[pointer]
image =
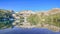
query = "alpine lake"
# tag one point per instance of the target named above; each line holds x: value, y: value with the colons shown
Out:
x: 6, y: 27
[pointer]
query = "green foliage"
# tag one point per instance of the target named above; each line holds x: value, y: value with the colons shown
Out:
x: 53, y: 19
x: 34, y: 19
x: 5, y: 14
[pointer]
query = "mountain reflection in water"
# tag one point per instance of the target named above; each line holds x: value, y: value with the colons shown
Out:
x: 16, y: 30
x: 6, y: 24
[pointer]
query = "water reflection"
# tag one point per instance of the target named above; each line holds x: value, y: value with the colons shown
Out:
x: 20, y: 23
x: 9, y: 23
x: 6, y: 24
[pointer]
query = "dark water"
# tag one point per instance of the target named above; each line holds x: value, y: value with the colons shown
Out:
x: 23, y: 30
x: 6, y: 24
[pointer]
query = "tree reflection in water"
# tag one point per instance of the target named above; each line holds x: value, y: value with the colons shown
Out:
x: 6, y: 24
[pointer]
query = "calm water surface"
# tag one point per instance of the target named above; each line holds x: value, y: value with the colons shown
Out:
x: 27, y: 31
x: 16, y: 30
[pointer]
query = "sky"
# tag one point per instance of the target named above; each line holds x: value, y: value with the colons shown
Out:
x: 18, y: 5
